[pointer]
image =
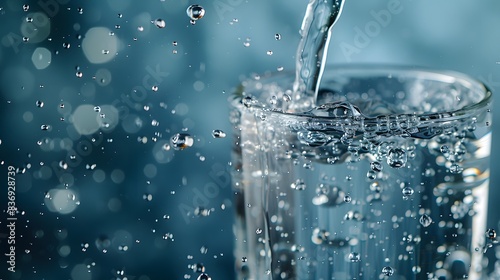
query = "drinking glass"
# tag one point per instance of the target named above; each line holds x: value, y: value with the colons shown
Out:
x: 386, y: 177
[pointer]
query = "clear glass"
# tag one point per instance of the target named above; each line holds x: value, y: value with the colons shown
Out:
x: 386, y: 179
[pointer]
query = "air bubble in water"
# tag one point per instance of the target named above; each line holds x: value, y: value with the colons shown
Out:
x: 247, y: 101
x: 258, y: 231
x: 180, y: 141
x: 39, y: 103
x: 277, y: 36
x: 160, y: 23
x: 397, y: 158
x: 354, y: 257
x: 376, y: 166
x: 347, y: 199
x: 195, y: 12
x: 455, y: 168
x: 79, y: 74
x: 387, y: 271
x: 45, y: 127
x: 26, y: 7
x: 298, y: 185
x: 425, y: 220
x: 407, y: 191
x: 319, y: 236
x: 154, y: 88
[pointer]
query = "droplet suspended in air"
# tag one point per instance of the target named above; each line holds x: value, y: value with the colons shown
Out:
x: 387, y: 271
x: 180, y: 141
x: 217, y: 133
x: 199, y: 267
x: 425, y: 220
x: 491, y: 234
x: 160, y: 23
x: 195, y: 12
x: 204, y: 276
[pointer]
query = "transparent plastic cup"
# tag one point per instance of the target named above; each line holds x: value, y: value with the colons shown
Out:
x: 387, y: 178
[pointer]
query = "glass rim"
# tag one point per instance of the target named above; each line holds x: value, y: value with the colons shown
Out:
x: 370, y: 70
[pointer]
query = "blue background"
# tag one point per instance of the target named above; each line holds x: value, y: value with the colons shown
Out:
x: 125, y: 205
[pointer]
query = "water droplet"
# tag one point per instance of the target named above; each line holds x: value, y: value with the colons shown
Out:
x: 397, y: 158
x: 195, y: 12
x: 425, y: 220
x: 244, y: 259
x: 217, y: 133
x: 407, y: 191
x: 180, y: 141
x: 269, y: 52
x: 387, y: 271
x: 491, y: 234
x: 26, y: 7
x: 160, y: 23
x: 354, y: 257
x: 39, y: 103
x: 66, y: 45
x: 258, y: 231
x: 347, y: 199
x: 277, y: 36
x: 45, y: 127
x: 320, y: 236
x: 298, y: 185
x: 140, y: 28
x: 147, y: 196
x: 154, y: 88
x: 204, y: 276
x: 80, y: 10
x: 97, y: 109
x: 79, y: 74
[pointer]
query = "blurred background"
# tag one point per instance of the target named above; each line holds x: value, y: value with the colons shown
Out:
x: 92, y: 91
